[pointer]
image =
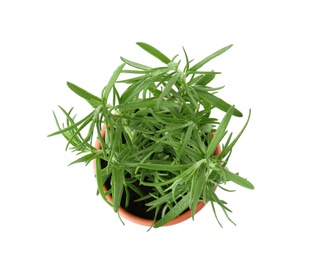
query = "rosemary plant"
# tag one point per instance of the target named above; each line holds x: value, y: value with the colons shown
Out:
x: 159, y: 137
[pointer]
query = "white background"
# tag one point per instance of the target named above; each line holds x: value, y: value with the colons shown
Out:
x: 279, y: 67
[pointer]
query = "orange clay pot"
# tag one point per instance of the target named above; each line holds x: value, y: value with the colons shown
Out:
x: 147, y: 222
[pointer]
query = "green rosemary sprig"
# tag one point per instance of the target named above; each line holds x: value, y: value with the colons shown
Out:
x: 159, y: 134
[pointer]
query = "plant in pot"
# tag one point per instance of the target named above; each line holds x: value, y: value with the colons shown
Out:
x: 157, y: 158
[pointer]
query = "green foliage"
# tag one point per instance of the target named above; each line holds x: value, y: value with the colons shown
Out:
x: 158, y: 134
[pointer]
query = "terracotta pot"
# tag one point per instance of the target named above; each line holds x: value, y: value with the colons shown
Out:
x: 147, y: 222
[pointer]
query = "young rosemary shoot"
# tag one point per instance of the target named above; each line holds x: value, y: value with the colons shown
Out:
x: 157, y: 138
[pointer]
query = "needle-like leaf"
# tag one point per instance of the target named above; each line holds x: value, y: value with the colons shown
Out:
x: 231, y: 145
x: 168, y: 87
x: 100, y: 181
x: 217, y: 102
x: 117, y: 185
x: 206, y: 79
x: 135, y: 64
x: 198, y: 184
x: 174, y: 212
x: 90, y: 98
x: 220, y: 133
x: 210, y: 57
x: 239, y: 180
x: 111, y: 83
x: 154, y: 52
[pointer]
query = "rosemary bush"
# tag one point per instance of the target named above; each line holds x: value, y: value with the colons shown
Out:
x: 159, y: 137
